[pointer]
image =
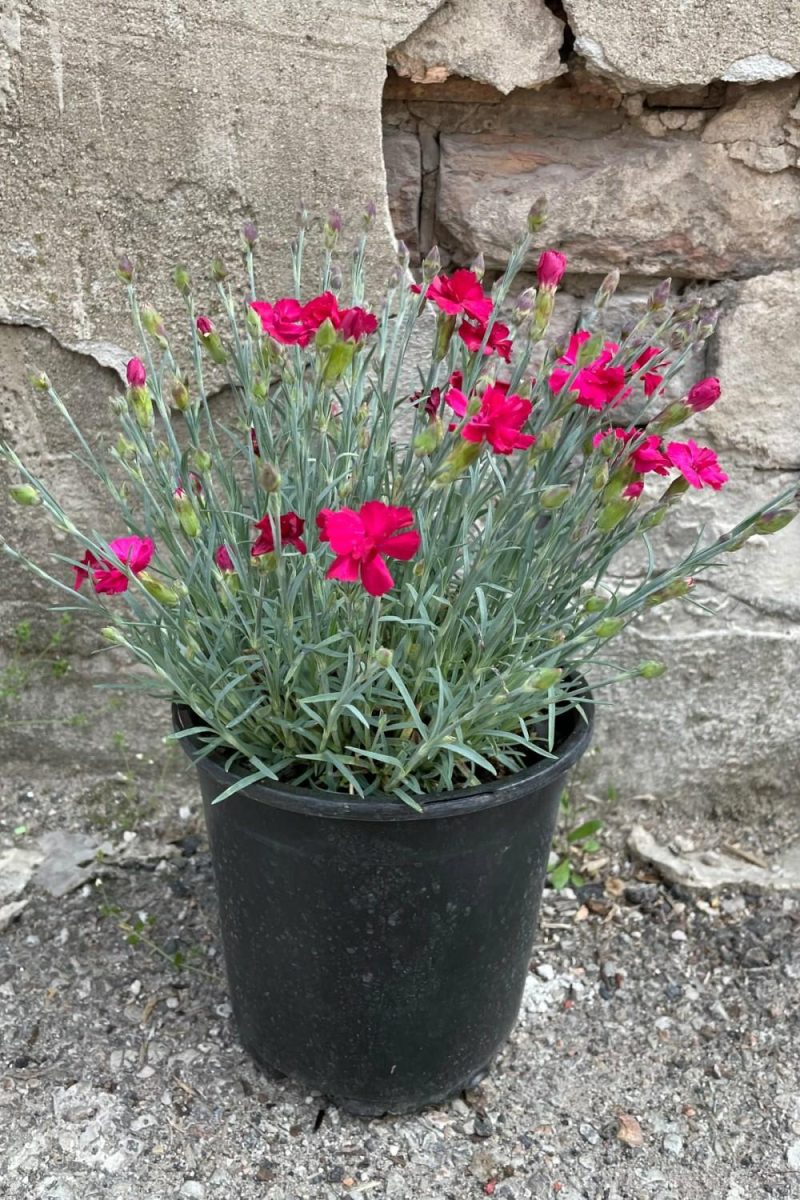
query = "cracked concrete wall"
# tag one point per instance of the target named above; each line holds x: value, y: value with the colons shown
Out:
x: 665, y: 136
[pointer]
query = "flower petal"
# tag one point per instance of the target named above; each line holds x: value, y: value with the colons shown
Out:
x: 375, y: 575
x: 402, y: 545
x: 343, y: 568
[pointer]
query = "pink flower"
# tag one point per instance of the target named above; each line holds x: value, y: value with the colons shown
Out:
x: 254, y: 442
x: 597, y: 384
x: 498, y: 343
x: 136, y: 373
x: 649, y: 457
x: 291, y: 527
x: 222, y: 557
x: 697, y: 464
x: 321, y: 308
x: 498, y: 421
x: 357, y: 323
x: 633, y: 490
x: 284, y: 322
x: 460, y: 293
x: 204, y: 326
x: 133, y: 552
x: 703, y: 394
x: 651, y: 379
x: 551, y: 268
x: 361, y: 539
x: 431, y: 403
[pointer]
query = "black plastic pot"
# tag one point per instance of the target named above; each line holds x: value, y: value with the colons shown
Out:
x: 375, y: 954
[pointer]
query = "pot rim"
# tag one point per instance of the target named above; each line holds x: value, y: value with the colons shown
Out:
x: 382, y: 807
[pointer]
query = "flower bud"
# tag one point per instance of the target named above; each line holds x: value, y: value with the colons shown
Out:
x: 595, y: 603
x: 430, y: 439
x: 659, y: 295
x: 369, y: 214
x: 142, y: 405
x: 607, y: 289
x: 339, y: 359
x: 269, y: 477
x: 159, y: 590
x: 325, y: 337
x: 202, y: 460
x: 445, y: 327
x: 609, y: 627
x: 651, y: 669
x: 24, y: 494
x: 403, y: 252
x: 331, y: 229
x: 125, y: 449
x: 180, y: 394
x: 113, y: 636
x: 478, y: 267
x: 182, y: 280
x: 550, y: 269
x: 543, y: 679
x: 125, y: 269
x: 187, y: 517
x: 771, y: 522
x: 383, y: 657
x: 431, y: 264
x: 40, y: 382
x: 548, y: 438
x: 335, y: 280
x: 210, y: 340
x: 600, y: 476
x: 703, y: 394
x: 250, y: 233
x: 611, y: 514
x: 303, y: 216
x: 653, y: 518
x: 537, y: 214
x: 674, y: 414
x: 675, y: 490
x: 554, y: 497
x: 218, y: 270
x: 153, y: 323
x: 707, y: 323
x: 673, y: 591
x: 259, y: 390
x: 136, y: 373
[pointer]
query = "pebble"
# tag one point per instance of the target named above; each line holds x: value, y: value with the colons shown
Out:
x: 192, y: 1190
x: 673, y: 1144
x: 546, y: 971
x: 483, y: 1127
x: 678, y: 935
x: 589, y: 1134
x: 793, y: 1156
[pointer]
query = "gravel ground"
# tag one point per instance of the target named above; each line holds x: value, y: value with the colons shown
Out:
x: 651, y: 1016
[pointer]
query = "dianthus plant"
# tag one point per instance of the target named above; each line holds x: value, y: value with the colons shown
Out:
x: 367, y: 585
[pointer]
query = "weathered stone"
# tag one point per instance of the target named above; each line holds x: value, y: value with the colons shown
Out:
x: 756, y: 354
x: 692, y: 870
x: 755, y: 129
x: 238, y: 114
x: 404, y: 182
x: 666, y: 45
x: 513, y: 43
x: 668, y: 206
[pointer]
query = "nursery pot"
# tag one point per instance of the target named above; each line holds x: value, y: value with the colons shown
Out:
x: 376, y: 954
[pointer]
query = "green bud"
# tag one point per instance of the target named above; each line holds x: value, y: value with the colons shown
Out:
x: 182, y: 280
x: 160, y: 591
x: 611, y: 514
x: 607, y: 289
x: 218, y: 270
x: 339, y: 359
x: 673, y: 591
x: 674, y: 414
x: 445, y: 326
x: 180, y: 394
x: 478, y: 267
x: 214, y: 348
x: 113, y: 635
x: 426, y: 442
x: 260, y: 390
x: 24, y: 494
x: 595, y: 603
x: 40, y: 382
x: 676, y: 489
x: 653, y: 518
x: 457, y: 461
x: 554, y: 497
x: 253, y: 323
x: 151, y: 320
x: 651, y: 669
x: 609, y: 627
x: 600, y: 477
x: 431, y: 264
x: 590, y: 350
x: 202, y: 460
x: 125, y: 449
x: 537, y: 214
x: 125, y: 269
x: 543, y: 679
x: 659, y: 295
x: 187, y: 517
x: 383, y: 657
x: 771, y: 522
x: 269, y: 477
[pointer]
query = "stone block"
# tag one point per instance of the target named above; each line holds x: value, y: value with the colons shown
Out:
x: 403, y: 157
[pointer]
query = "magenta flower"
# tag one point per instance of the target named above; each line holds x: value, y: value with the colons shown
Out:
x: 360, y: 540
x: 321, y: 308
x: 356, y: 323
x: 204, y: 326
x: 634, y: 490
x: 498, y: 421
x: 703, y: 394
x: 697, y: 464
x: 498, y: 343
x: 649, y: 457
x: 651, y: 379
x: 291, y: 527
x: 254, y: 442
x: 222, y: 557
x: 135, y: 553
x: 460, y: 294
x: 550, y: 269
x: 136, y: 373
x: 623, y: 435
x: 597, y: 384
x: 283, y: 321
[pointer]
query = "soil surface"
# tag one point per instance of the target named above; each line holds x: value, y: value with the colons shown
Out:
x: 656, y: 1055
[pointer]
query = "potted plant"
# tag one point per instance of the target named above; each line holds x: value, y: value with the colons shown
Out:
x: 375, y: 609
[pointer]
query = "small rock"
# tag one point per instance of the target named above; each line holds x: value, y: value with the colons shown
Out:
x: 629, y: 1130
x: 793, y: 1156
x: 545, y: 971
x: 9, y: 912
x: 678, y: 935
x: 482, y: 1127
x: 673, y: 991
x: 589, y: 1134
x: 192, y: 1190
x: 483, y: 1165
x: 673, y: 1144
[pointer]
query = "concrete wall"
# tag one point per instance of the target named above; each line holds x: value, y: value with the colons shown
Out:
x: 666, y: 138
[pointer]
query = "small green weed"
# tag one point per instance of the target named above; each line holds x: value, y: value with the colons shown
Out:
x: 574, y: 839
